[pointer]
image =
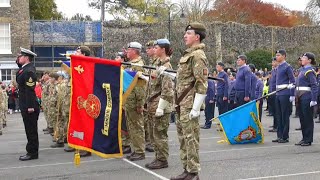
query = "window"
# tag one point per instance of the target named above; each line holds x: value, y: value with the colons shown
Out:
x: 5, y: 38
x: 5, y: 3
x: 6, y: 74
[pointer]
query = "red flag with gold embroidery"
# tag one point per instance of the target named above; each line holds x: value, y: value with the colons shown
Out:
x: 95, y: 112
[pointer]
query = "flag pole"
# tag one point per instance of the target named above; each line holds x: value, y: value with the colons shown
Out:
x: 270, y: 94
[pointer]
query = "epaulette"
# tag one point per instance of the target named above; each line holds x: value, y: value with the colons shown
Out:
x: 311, y: 70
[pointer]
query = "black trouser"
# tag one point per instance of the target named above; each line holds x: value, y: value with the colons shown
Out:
x: 306, y: 120
x: 283, y: 111
x: 260, y: 108
x: 240, y: 98
x: 209, y: 113
x: 221, y: 104
x: 272, y: 108
x: 231, y: 105
x: 30, y: 121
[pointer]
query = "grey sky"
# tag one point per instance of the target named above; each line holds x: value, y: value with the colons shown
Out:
x: 71, y: 7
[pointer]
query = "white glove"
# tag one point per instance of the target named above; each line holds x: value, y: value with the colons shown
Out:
x: 161, y: 70
x: 292, y: 98
x: 291, y: 86
x: 171, y: 75
x: 161, y: 106
x: 313, y: 103
x: 141, y: 76
x: 198, y: 100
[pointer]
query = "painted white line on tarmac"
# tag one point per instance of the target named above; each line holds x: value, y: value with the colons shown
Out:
x: 281, y: 176
x: 55, y: 164
x: 146, y: 170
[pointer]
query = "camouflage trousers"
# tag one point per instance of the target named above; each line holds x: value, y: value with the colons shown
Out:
x: 2, y: 117
x: 135, y: 125
x: 160, y: 127
x: 52, y: 116
x: 59, y: 128
x: 148, y: 118
x: 65, y: 116
x: 45, y: 112
x: 188, y: 135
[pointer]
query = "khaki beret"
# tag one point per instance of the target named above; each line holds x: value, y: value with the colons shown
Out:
x: 150, y: 43
x: 54, y: 75
x: 196, y: 26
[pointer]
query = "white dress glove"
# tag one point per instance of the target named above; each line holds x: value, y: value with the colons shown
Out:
x: 292, y: 98
x: 313, y: 103
x: 161, y: 70
x: 171, y: 75
x: 291, y: 86
x: 198, y: 100
x: 161, y: 106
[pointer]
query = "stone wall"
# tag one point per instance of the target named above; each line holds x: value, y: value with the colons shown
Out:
x: 223, y: 43
x: 19, y: 18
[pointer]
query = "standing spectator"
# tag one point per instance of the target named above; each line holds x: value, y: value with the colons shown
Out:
x: 210, y: 104
x: 259, y: 92
x: 16, y: 97
x: 12, y: 95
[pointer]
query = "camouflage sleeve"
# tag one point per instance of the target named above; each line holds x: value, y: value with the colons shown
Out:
x: 200, y: 72
x: 2, y: 101
x: 167, y: 86
x: 140, y: 95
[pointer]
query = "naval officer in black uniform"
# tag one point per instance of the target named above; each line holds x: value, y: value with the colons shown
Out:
x: 26, y: 79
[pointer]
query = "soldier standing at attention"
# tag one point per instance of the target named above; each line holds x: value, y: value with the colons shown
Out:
x: 222, y: 89
x: 134, y: 106
x: 148, y: 117
x: 52, y: 102
x: 191, y: 87
x: 284, y: 98
x: 306, y: 93
x: 162, y: 94
x: 44, y: 96
x: 26, y: 79
x: 242, y: 85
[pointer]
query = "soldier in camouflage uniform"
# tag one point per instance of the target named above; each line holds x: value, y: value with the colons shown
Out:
x: 191, y: 90
x: 134, y: 106
x: 5, y: 110
x: 66, y: 112
x: 160, y: 106
x: 147, y: 115
x: 59, y: 129
x: 44, y: 98
x: 52, y: 102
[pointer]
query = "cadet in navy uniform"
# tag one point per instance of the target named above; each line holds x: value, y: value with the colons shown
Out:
x: 284, y: 98
x: 253, y: 82
x: 231, y: 91
x: 272, y: 98
x: 259, y: 92
x: 26, y: 79
x: 222, y: 89
x: 306, y: 92
x: 242, y: 85
x: 210, y: 104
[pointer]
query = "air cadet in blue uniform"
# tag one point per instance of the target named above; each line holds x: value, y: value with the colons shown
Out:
x: 318, y: 80
x: 222, y: 89
x: 272, y: 87
x: 284, y: 98
x: 242, y: 85
x: 258, y: 92
x: 306, y: 93
x: 253, y: 82
x: 231, y: 91
x: 210, y: 104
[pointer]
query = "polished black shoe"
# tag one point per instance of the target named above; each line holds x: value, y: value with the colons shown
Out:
x: 28, y: 157
x: 205, y: 127
x: 85, y: 153
x: 273, y: 130
x: 283, y: 141
x: 57, y: 145
x: 299, y: 143
x: 270, y: 126
x: 0, y: 133
x: 298, y: 129
x: 276, y: 140
x: 306, y: 144
x: 46, y: 129
x: 269, y: 115
x: 69, y: 149
x: 317, y: 121
x: 4, y: 125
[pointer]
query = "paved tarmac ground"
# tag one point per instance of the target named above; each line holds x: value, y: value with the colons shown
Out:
x: 218, y: 161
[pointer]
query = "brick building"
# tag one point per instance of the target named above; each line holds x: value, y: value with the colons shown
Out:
x: 14, y: 33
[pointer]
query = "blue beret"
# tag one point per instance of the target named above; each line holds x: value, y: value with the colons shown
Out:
x: 162, y: 42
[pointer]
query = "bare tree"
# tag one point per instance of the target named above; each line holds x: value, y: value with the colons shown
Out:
x: 195, y: 9
x: 313, y: 10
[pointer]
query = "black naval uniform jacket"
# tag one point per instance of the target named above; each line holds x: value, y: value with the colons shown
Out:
x: 26, y: 79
